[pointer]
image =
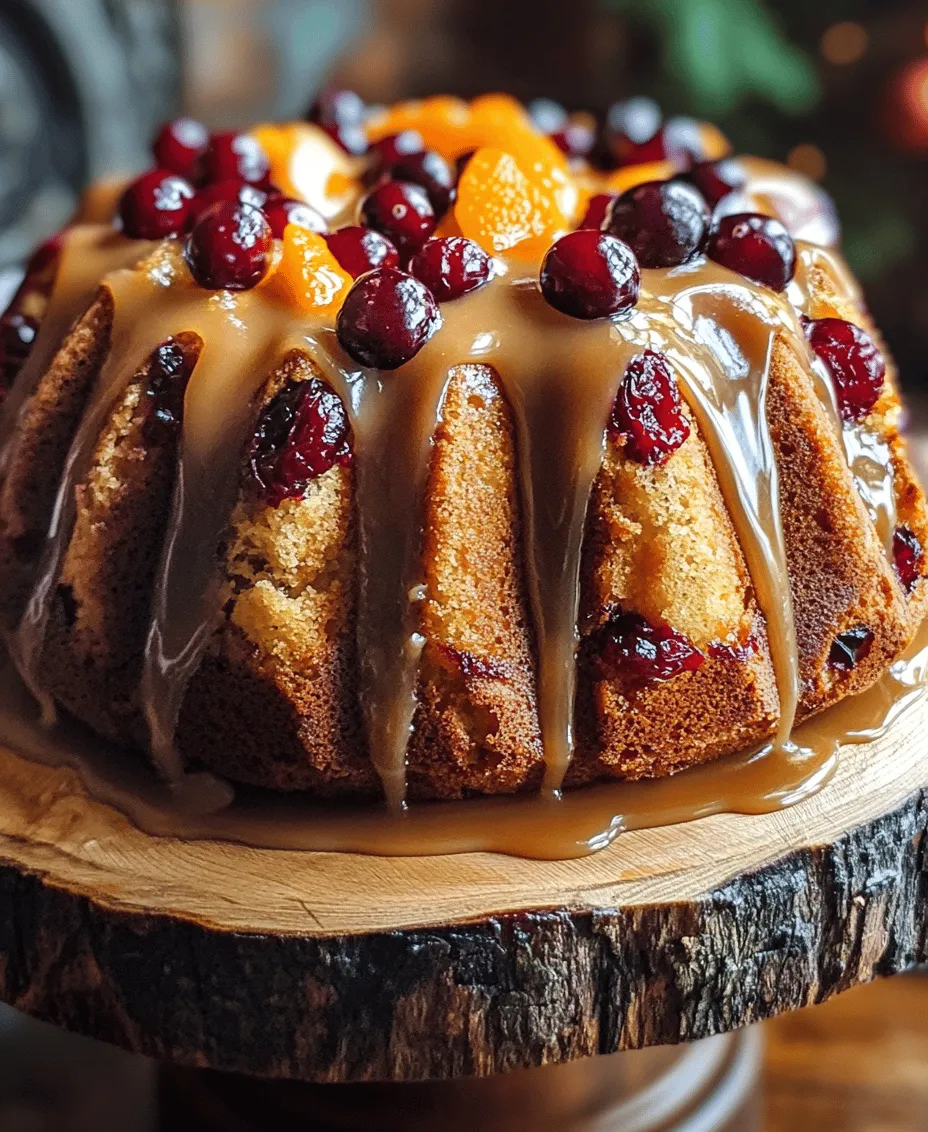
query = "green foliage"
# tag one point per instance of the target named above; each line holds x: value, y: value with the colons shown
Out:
x: 724, y: 51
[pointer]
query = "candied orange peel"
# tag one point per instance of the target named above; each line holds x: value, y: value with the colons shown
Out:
x: 308, y: 275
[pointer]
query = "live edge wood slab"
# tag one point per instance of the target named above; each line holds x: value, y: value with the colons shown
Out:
x: 328, y: 967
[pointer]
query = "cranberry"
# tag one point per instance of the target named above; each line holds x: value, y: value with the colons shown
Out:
x: 908, y: 555
x: 854, y: 361
x: 723, y: 650
x: 333, y: 106
x: 664, y: 222
x: 648, y: 413
x: 430, y: 170
x: 281, y: 211
x: 168, y: 374
x: 850, y: 648
x: 232, y: 189
x: 359, y: 249
x: 350, y: 136
x: 44, y: 259
x: 155, y: 206
x: 386, y: 318
x: 403, y: 212
x: 632, y: 131
x: 633, y: 647
x: 229, y: 246
x: 395, y: 147
x: 716, y: 179
x: 547, y: 115
x: 301, y: 434
x: 589, y: 274
x: 17, y: 334
x: 233, y: 156
x: 756, y: 246
x: 682, y: 141
x: 180, y: 145
x: 596, y: 210
x: 451, y: 266
x: 576, y: 139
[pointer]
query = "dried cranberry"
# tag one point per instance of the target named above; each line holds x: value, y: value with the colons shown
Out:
x: 648, y: 412
x: 850, y: 648
x: 232, y: 189
x: 908, y: 555
x: 632, y: 647
x: 333, y: 106
x: 301, y: 434
x: 281, y: 211
x: 430, y: 170
x: 596, y: 210
x: 756, y: 246
x: 395, y: 147
x: 386, y: 318
x: 228, y: 247
x: 349, y: 136
x: 451, y: 266
x: 360, y: 249
x: 180, y: 145
x: 589, y: 274
x: 168, y: 373
x: 665, y: 223
x: 403, y: 212
x: 854, y: 362
x: 17, y: 334
x: 716, y: 179
x: 155, y: 206
x: 235, y: 156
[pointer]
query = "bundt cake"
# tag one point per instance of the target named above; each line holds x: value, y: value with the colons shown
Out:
x: 451, y: 449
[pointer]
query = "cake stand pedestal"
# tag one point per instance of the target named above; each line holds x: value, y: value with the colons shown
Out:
x: 315, y: 972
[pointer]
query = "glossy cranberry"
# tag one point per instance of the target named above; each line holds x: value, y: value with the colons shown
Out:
x: 589, y: 274
x: 228, y: 248
x: 281, y: 211
x: 168, y: 373
x: 756, y: 246
x: 403, y: 212
x: 17, y: 334
x: 360, y: 249
x: 395, y: 147
x: 386, y: 318
x: 850, y: 648
x: 451, y: 266
x: 333, y: 106
x: 854, y: 362
x: 155, y: 206
x: 301, y: 434
x: 665, y: 223
x: 716, y: 179
x: 430, y: 170
x: 908, y: 556
x: 632, y: 131
x: 576, y: 139
x: 547, y: 115
x: 232, y: 189
x: 648, y: 412
x: 596, y: 210
x: 632, y: 647
x: 180, y: 145
x: 736, y: 652
x: 234, y: 156
x: 349, y: 136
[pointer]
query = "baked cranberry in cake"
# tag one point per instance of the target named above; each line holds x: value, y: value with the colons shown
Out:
x: 854, y: 361
x: 735, y: 652
x: 850, y: 648
x: 168, y: 374
x: 716, y: 179
x: 233, y: 189
x: 386, y: 318
x: 281, y: 211
x: 180, y: 145
x: 451, y: 266
x: 228, y: 247
x: 648, y: 412
x: 394, y: 147
x: 631, y: 647
x: 156, y: 206
x: 403, y: 212
x: 236, y: 156
x: 595, y: 214
x: 432, y: 172
x: 665, y: 223
x: 589, y: 274
x: 908, y: 556
x: 301, y: 434
x: 359, y: 249
x: 756, y: 246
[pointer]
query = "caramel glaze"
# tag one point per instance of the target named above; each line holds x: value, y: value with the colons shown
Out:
x: 560, y: 377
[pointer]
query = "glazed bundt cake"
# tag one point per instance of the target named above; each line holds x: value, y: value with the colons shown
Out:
x: 437, y: 451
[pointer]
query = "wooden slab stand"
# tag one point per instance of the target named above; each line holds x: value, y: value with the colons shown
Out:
x: 336, y: 967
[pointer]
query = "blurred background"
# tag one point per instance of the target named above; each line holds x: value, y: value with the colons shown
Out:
x: 839, y: 88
